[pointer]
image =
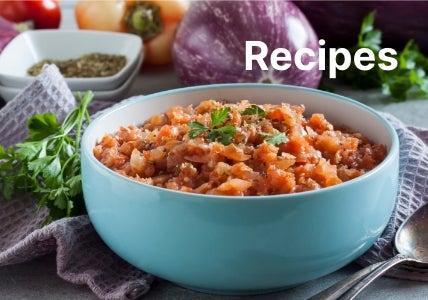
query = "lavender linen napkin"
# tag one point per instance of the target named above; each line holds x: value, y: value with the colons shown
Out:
x: 412, y: 193
x: 83, y: 258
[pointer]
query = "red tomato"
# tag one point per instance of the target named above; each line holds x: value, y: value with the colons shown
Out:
x: 14, y: 11
x: 43, y: 13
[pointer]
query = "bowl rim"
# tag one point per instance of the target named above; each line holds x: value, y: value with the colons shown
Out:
x: 23, y: 80
x: 393, y: 151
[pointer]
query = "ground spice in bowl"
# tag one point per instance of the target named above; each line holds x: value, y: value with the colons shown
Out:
x: 88, y: 65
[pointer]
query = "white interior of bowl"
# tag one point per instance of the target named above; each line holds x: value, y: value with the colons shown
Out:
x: 337, y: 109
x: 34, y: 46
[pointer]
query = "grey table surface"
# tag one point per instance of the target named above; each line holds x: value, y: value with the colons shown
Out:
x: 38, y: 280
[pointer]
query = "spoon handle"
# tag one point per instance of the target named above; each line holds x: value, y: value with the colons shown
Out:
x: 361, y: 285
x: 337, y: 289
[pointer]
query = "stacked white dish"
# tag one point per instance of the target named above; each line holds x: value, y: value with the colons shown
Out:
x: 31, y: 47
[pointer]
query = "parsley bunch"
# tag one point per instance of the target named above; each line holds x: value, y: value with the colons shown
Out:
x: 407, y: 80
x: 47, y: 164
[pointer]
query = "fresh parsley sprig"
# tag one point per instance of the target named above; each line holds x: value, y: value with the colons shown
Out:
x: 217, y: 131
x: 47, y: 164
x: 409, y: 79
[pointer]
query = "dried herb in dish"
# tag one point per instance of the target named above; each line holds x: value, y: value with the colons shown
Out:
x: 88, y: 65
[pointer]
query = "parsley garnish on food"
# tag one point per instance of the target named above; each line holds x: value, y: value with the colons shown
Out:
x: 47, y: 164
x: 223, y: 134
x: 219, y: 116
x: 254, y: 110
x: 407, y: 80
x: 275, y: 138
x: 196, y: 129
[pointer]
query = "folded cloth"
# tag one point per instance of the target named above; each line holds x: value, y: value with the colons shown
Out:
x: 47, y: 93
x: 81, y: 255
x: 412, y: 193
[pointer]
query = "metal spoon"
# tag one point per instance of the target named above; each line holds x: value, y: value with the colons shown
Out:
x: 411, y: 243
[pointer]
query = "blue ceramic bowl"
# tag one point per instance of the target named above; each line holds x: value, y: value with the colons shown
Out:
x: 235, y: 245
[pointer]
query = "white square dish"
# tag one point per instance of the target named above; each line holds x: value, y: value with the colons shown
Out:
x: 33, y: 46
x: 114, y: 95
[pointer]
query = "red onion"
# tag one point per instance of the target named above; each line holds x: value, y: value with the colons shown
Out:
x: 209, y: 46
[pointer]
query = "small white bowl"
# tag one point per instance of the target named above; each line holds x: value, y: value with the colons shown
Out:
x: 33, y: 46
x: 115, y: 95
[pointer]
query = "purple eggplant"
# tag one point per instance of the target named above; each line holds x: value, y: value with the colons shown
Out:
x: 210, y: 43
x: 339, y: 22
x: 7, y: 32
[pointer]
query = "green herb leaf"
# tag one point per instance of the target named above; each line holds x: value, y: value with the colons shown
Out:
x: 47, y: 163
x: 59, y: 197
x: 254, y: 110
x: 196, y: 129
x: 3, y: 153
x: 219, y: 116
x: 369, y: 37
x: 70, y: 121
x: 28, y: 150
x: 276, y: 137
x: 409, y: 79
x: 41, y: 126
x: 222, y: 135
x: 75, y: 185
x: 214, y: 133
x: 38, y: 165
